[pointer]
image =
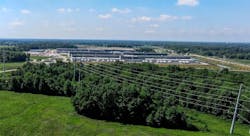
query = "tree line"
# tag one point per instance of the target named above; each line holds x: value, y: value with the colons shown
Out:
x: 103, y: 95
x: 26, y: 45
x: 13, y: 54
x: 223, y: 51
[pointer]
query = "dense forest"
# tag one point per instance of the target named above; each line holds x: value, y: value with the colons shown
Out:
x: 223, y: 51
x: 13, y: 54
x: 130, y: 93
x: 26, y: 45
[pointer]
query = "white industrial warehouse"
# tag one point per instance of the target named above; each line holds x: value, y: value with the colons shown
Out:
x: 114, y: 55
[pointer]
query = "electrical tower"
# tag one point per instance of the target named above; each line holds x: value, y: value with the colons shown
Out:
x: 3, y: 57
x: 236, y: 110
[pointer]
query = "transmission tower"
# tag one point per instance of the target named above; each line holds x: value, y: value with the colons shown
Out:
x: 236, y: 110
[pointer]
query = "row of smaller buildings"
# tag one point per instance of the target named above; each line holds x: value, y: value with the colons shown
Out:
x: 112, y: 55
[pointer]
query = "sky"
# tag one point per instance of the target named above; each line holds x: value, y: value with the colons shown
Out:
x: 164, y: 20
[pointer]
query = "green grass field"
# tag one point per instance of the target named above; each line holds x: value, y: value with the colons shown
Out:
x: 38, y: 57
x: 39, y: 115
x: 243, y: 61
x: 12, y: 65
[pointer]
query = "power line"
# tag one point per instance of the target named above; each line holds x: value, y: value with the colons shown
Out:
x: 236, y: 110
x: 244, y: 107
x: 248, y: 89
x: 195, y: 76
x: 197, y: 104
x: 159, y: 77
x: 167, y: 90
x: 243, y: 118
x: 178, y: 83
x: 213, y: 95
x: 3, y: 63
x: 180, y: 92
x: 183, y: 80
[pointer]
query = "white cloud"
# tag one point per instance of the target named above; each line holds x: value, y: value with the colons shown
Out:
x: 45, y: 23
x: 105, y: 16
x: 142, y: 19
x: 154, y: 25
x: 161, y: 18
x: 77, y: 9
x: 149, y: 31
x: 16, y: 23
x: 61, y: 10
x: 92, y: 10
x: 67, y: 10
x: 186, y: 17
x: 165, y: 17
x: 227, y: 29
x: 66, y: 24
x: 70, y: 29
x: 121, y: 11
x: 4, y: 10
x: 188, y: 3
x: 25, y: 11
x: 100, y: 29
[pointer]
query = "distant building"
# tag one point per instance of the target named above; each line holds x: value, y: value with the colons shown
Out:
x: 131, y: 56
x: 36, y: 52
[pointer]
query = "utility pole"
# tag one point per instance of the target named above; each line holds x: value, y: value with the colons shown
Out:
x: 79, y: 75
x: 3, y: 62
x: 236, y: 110
x: 74, y: 69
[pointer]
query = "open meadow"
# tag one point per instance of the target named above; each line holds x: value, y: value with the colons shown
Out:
x: 40, y: 115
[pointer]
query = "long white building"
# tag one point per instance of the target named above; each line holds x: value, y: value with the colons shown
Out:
x: 86, y: 55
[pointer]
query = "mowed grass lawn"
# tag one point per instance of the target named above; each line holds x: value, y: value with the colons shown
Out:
x: 40, y: 115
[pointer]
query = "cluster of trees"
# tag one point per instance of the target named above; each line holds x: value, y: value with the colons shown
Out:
x: 211, y: 92
x: 123, y: 93
x: 3, y: 84
x: 56, y: 79
x: 227, y: 51
x: 145, y: 49
x: 12, y: 54
x: 105, y: 98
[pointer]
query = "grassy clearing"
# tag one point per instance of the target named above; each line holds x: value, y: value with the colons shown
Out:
x: 215, y: 61
x: 11, y: 65
x: 29, y: 114
x: 38, y: 57
x: 243, y: 61
x: 6, y: 46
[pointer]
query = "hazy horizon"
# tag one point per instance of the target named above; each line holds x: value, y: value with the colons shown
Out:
x: 172, y: 20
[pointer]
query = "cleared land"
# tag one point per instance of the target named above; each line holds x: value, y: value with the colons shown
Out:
x: 247, y: 62
x: 29, y: 114
x: 38, y: 57
x: 12, y: 65
x: 217, y: 62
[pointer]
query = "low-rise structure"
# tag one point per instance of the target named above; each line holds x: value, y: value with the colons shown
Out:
x: 114, y: 55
